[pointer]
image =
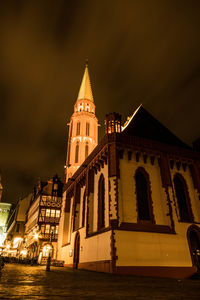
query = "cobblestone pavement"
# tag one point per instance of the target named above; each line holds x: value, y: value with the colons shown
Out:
x: 33, y: 282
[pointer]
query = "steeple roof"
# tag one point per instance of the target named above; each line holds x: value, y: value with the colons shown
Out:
x: 85, y: 91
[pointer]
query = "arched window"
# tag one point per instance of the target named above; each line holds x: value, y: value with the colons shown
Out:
x: 76, y: 153
x: 86, y: 150
x: 78, y: 127
x: 101, y: 203
x: 183, y: 200
x: 143, y: 192
x: 87, y: 129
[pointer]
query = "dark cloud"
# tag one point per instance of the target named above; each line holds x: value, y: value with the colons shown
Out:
x: 139, y: 52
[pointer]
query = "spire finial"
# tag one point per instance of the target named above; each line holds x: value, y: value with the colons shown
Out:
x: 86, y: 62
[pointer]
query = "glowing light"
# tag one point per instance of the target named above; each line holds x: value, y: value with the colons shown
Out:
x: 36, y: 235
x: 23, y: 252
x: 16, y: 242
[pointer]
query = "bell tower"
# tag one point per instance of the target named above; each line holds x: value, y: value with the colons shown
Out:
x: 83, y: 127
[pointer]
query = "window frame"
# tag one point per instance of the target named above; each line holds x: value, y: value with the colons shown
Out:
x: 145, y: 175
x: 187, y: 199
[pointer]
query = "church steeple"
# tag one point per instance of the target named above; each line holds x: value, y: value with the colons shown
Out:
x: 85, y: 92
x: 83, y: 127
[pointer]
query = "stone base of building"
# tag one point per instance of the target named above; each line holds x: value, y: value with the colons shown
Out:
x: 170, y: 272
x: 98, y: 266
x: 150, y: 271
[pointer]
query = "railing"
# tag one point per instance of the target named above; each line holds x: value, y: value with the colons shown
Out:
x: 53, y: 220
x: 46, y: 236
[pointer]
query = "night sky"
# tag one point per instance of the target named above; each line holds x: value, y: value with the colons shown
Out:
x: 139, y: 52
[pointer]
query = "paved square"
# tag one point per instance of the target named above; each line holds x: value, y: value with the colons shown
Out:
x: 33, y: 282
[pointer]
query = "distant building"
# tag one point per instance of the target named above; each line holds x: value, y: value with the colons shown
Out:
x: 43, y: 216
x: 133, y: 206
x: 16, y: 228
x: 4, y: 212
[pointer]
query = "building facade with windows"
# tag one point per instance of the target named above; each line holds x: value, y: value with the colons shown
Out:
x: 133, y: 206
x: 4, y: 214
x: 16, y: 228
x: 42, y: 221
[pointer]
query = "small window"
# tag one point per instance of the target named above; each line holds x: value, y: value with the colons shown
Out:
x: 78, y: 127
x: 57, y: 213
x: 56, y: 232
x: 43, y: 229
x: 76, y: 153
x: 47, y: 229
x: 53, y: 213
x: 87, y: 129
x: 47, y: 212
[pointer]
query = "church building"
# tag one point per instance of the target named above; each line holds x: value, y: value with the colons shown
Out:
x: 131, y: 204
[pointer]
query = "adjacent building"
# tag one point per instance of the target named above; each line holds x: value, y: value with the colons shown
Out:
x: 4, y: 213
x: 15, y: 244
x: 42, y: 220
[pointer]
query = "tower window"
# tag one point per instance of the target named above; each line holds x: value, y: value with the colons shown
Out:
x: 76, y: 153
x: 183, y: 200
x: 86, y: 150
x: 87, y: 129
x: 78, y: 127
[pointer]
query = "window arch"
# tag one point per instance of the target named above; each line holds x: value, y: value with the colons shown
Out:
x: 101, y: 203
x: 143, y: 192
x: 86, y: 149
x: 76, y: 152
x: 183, y: 200
x: 78, y: 128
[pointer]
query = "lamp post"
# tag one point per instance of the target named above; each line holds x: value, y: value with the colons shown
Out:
x: 49, y: 256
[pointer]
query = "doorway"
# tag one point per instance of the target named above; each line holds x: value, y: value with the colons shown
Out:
x: 193, y: 235
x: 76, y: 251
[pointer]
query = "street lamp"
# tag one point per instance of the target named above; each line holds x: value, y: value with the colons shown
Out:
x: 49, y: 256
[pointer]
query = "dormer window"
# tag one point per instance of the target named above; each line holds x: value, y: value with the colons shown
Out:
x: 80, y: 107
x: 87, y: 107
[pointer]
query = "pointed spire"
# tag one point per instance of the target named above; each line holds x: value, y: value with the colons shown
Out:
x: 85, y: 91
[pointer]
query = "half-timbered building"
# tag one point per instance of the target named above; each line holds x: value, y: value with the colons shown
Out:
x: 43, y: 218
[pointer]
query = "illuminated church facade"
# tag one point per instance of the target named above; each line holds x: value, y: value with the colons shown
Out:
x: 132, y: 206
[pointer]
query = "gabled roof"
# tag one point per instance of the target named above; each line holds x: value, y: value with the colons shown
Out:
x: 143, y: 124
x: 85, y: 91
